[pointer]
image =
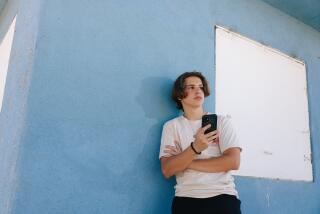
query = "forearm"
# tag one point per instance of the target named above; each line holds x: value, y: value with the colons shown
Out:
x: 223, y: 163
x: 177, y: 163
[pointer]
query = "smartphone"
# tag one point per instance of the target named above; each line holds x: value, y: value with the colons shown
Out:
x: 209, y: 119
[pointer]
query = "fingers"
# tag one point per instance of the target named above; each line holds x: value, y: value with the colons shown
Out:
x: 212, y: 136
x: 178, y: 145
x: 169, y: 153
x: 212, y: 133
x: 203, y: 140
x: 172, y: 150
x: 203, y: 129
x: 216, y: 140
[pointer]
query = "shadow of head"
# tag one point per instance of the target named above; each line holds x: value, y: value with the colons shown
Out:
x: 155, y: 97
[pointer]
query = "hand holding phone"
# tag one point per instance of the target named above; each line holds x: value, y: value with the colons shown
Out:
x: 209, y: 119
x: 203, y: 139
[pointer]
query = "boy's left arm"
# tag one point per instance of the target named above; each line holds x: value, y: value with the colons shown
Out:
x: 229, y: 160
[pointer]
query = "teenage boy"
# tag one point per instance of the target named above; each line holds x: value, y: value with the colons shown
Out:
x: 201, y: 162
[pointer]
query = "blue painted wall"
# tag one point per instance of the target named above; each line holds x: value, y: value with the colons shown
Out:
x: 2, y: 4
x: 14, y: 106
x: 308, y: 11
x: 100, y: 92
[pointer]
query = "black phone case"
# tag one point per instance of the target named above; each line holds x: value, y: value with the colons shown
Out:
x: 209, y: 119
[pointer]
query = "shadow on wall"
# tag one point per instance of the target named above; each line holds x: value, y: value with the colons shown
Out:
x: 143, y: 186
x: 75, y: 165
x: 155, y: 99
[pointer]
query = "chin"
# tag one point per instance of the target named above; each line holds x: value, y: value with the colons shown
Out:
x: 198, y: 105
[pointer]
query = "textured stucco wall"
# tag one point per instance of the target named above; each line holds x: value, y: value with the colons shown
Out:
x: 99, y: 94
x: 14, y: 105
x: 2, y: 4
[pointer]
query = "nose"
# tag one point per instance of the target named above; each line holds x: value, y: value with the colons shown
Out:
x: 197, y: 89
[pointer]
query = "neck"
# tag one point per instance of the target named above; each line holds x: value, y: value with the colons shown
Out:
x: 194, y: 114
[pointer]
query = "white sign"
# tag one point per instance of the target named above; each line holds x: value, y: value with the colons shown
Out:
x: 265, y: 92
x: 5, y: 50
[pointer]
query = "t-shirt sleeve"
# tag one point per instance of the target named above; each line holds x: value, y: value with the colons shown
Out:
x: 228, y: 138
x: 167, y: 137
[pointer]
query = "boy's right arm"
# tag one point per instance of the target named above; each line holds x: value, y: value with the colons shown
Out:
x: 179, y: 162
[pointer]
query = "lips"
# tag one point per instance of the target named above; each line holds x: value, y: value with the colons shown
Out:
x: 198, y: 98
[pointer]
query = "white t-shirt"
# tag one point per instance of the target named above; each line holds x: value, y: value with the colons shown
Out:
x: 192, y: 183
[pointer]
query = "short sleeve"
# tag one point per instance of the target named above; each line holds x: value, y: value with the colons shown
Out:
x: 167, y: 137
x: 228, y: 138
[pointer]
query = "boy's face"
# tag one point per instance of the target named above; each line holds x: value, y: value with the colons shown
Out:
x: 193, y: 89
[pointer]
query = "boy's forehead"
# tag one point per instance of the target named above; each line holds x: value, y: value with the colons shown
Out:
x: 193, y: 81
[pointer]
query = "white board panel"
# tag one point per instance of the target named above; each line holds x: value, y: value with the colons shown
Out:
x: 5, y: 50
x: 265, y: 92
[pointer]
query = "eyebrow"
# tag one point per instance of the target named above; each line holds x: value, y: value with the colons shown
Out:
x: 195, y: 85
